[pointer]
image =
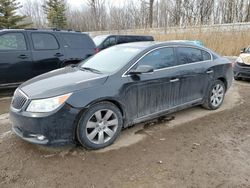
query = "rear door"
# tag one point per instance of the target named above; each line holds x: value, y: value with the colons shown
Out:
x: 15, y: 58
x: 47, y: 52
x: 194, y: 65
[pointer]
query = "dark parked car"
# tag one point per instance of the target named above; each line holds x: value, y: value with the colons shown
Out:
x: 118, y: 87
x: 105, y: 41
x: 242, y: 65
x: 25, y: 54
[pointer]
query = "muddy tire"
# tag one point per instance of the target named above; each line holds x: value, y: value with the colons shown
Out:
x: 237, y: 78
x: 99, y: 126
x: 215, y: 96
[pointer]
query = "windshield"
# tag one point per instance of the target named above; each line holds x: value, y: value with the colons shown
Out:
x: 247, y: 50
x: 99, y: 39
x: 111, y: 60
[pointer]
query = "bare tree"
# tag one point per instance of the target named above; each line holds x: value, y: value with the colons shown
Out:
x: 103, y: 15
x: 33, y: 10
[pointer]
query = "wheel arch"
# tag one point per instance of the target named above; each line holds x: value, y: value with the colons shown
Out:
x: 224, y: 81
x: 115, y: 102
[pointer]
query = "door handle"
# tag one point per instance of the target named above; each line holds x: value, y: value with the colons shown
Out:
x: 209, y: 71
x: 23, y: 56
x: 58, y: 55
x: 174, y: 80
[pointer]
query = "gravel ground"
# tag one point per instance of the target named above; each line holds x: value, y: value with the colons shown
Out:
x: 192, y: 148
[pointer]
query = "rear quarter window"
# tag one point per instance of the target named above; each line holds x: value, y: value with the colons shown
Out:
x: 77, y: 41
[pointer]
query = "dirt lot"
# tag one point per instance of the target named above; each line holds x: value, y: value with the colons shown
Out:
x: 198, y: 148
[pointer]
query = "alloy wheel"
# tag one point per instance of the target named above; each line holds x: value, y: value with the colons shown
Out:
x: 217, y: 95
x: 101, y: 126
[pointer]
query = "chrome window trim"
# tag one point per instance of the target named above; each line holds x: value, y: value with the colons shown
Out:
x: 174, y: 46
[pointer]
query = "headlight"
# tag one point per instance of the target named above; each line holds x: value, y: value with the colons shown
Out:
x: 47, y: 105
x: 239, y: 60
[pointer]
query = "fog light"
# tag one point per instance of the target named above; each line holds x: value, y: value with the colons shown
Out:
x: 40, y: 137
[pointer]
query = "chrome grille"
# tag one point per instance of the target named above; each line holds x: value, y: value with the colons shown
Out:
x: 19, y: 100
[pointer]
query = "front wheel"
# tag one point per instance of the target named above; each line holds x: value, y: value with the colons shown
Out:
x: 215, y: 96
x: 99, y: 126
x: 237, y: 78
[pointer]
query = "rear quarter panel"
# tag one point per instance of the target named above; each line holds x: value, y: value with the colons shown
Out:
x: 223, y: 69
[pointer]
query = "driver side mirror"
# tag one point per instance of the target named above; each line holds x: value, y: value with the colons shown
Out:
x: 142, y: 69
x: 243, y: 50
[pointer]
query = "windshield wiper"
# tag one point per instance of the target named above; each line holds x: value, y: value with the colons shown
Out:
x: 91, y: 70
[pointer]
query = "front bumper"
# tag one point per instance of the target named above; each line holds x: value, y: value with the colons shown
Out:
x: 241, y: 71
x: 57, y: 128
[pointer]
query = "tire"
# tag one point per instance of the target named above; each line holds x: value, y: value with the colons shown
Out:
x: 215, y: 96
x: 99, y: 126
x: 237, y: 78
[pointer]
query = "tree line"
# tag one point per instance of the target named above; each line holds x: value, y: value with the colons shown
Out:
x: 128, y: 14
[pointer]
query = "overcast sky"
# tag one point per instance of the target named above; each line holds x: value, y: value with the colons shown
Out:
x: 80, y: 3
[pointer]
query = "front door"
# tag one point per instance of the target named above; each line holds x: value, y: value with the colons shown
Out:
x: 15, y: 58
x: 157, y: 91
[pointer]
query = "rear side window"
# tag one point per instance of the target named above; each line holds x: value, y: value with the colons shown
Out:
x: 158, y: 59
x: 12, y: 41
x: 77, y: 41
x: 44, y: 41
x: 189, y: 55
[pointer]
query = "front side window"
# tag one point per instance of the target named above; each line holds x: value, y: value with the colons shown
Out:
x: 189, y: 55
x: 12, y: 41
x: 111, y: 41
x: 44, y: 41
x: 158, y: 59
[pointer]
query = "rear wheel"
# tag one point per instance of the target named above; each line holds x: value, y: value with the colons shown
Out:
x: 215, y: 96
x: 99, y: 126
x: 237, y: 78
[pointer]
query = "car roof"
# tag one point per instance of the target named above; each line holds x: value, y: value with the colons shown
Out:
x: 110, y: 35
x: 44, y: 30
x: 154, y: 44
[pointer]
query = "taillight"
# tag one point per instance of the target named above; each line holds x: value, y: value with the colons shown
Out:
x: 97, y: 50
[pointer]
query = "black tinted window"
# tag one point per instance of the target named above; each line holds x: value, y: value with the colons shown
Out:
x: 44, y: 41
x: 189, y: 55
x: 122, y: 39
x: 159, y: 59
x: 77, y: 41
x: 12, y: 41
x: 111, y: 41
x: 206, y: 56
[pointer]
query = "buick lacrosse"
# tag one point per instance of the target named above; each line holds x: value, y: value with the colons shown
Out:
x: 123, y: 85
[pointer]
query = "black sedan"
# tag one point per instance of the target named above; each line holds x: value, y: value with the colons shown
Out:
x: 120, y: 86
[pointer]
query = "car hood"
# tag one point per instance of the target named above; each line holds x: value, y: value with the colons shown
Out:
x: 246, y: 58
x: 61, y: 81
